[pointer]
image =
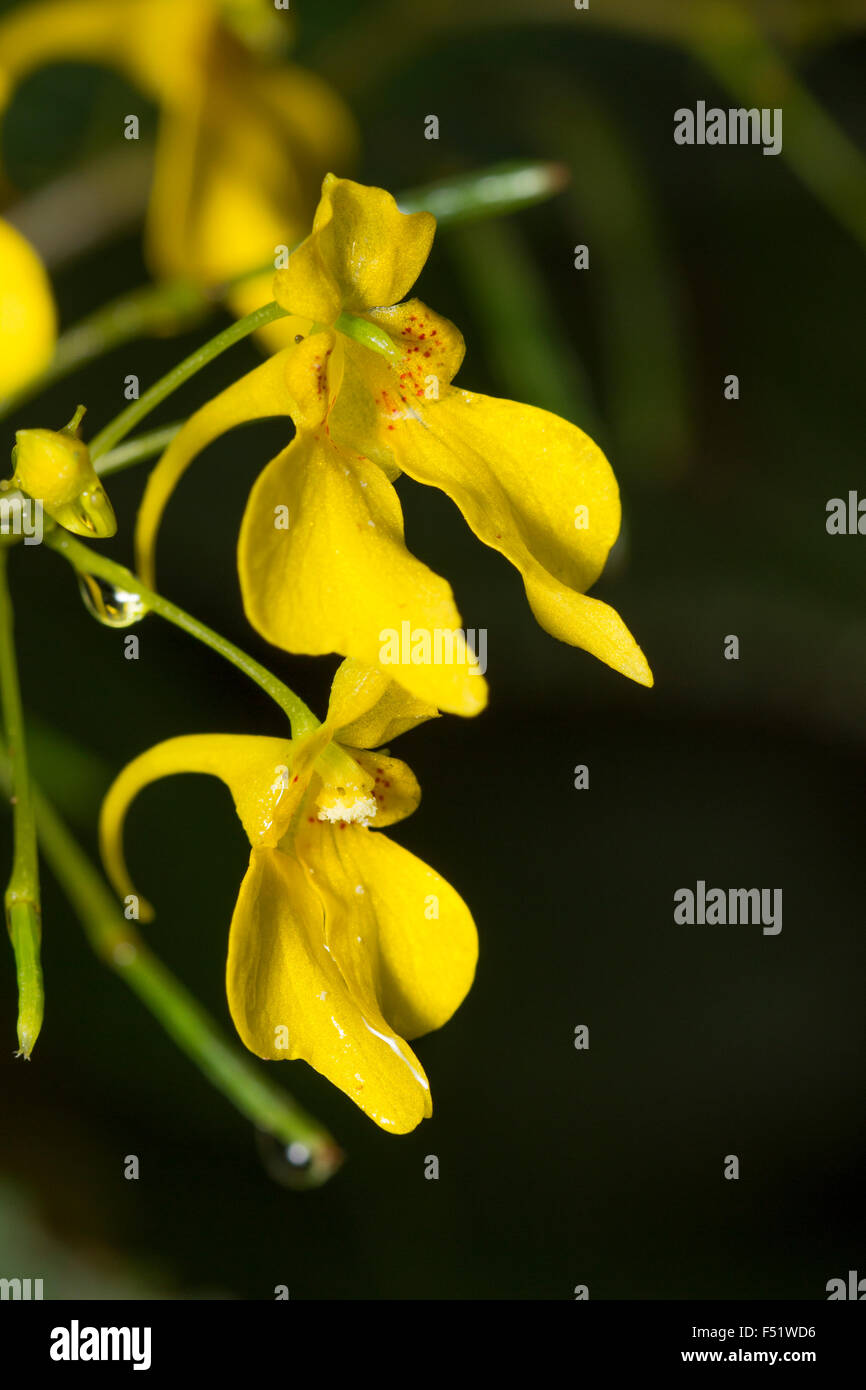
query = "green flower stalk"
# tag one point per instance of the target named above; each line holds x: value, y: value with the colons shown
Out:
x: 22, y: 901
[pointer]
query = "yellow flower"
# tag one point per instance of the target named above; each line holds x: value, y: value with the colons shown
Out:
x: 371, y: 395
x: 342, y: 944
x: 28, y: 320
x: 243, y: 139
x: 321, y: 557
x: 321, y: 550
x: 529, y: 484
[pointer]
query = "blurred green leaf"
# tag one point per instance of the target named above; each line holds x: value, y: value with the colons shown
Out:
x: 615, y: 216
x: 524, y: 341
x: 486, y: 193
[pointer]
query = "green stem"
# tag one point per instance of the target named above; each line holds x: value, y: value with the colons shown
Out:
x: 336, y: 765
x: 23, y: 913
x: 121, y: 425
x: 87, y: 561
x: 116, y: 941
x: 144, y: 446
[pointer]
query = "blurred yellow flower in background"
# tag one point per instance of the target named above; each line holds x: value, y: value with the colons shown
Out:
x: 342, y: 944
x: 244, y: 137
x: 28, y: 319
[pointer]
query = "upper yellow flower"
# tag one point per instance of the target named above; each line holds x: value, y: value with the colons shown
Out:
x: 369, y: 389
x: 323, y: 561
x: 243, y: 139
x: 530, y: 484
x: 28, y: 319
x: 342, y: 944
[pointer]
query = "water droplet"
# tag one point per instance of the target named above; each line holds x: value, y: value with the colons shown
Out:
x: 296, y: 1165
x: 113, y: 607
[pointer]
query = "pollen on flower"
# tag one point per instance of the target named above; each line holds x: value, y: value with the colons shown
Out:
x: 352, y: 810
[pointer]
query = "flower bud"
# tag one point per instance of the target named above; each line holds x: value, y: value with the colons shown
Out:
x: 54, y: 467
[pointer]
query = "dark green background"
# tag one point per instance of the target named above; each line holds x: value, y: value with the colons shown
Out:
x: 558, y: 1167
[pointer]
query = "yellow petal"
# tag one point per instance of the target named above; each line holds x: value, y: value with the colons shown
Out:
x: 158, y: 43
x: 376, y: 395
x: 362, y: 419
x: 366, y: 709
x: 28, y: 319
x: 585, y: 622
x: 226, y: 190
x: 433, y: 346
x: 537, y: 489
x: 340, y: 578
x: 363, y: 253
x: 392, y: 923
x: 289, y: 999
x: 313, y: 373
x: 395, y: 787
x: 262, y: 775
x: 261, y: 393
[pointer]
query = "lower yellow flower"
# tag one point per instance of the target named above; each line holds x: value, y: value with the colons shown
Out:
x: 28, y: 319
x: 342, y: 944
